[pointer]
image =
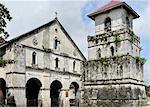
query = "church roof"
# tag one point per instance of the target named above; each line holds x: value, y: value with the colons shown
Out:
x: 112, y: 5
x: 28, y: 34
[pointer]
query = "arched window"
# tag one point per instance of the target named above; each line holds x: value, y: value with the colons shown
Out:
x: 99, y: 53
x: 75, y: 86
x: 56, y: 62
x: 34, y: 58
x: 55, y: 44
x: 112, y: 50
x: 127, y: 21
x: 107, y: 24
x: 74, y: 65
x: 56, y: 41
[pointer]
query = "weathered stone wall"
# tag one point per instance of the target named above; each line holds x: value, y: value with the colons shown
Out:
x: 113, y: 80
x: 118, y: 17
x: 2, y: 73
x: 47, y: 77
x: 117, y: 67
x: 123, y: 95
x: 45, y: 38
x: 42, y: 42
x: 121, y: 40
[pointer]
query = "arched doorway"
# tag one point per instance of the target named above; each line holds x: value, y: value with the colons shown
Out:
x: 76, y: 86
x: 33, y: 86
x: 73, y: 97
x: 54, y: 93
x: 2, y: 90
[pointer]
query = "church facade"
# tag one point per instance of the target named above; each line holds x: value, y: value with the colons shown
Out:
x: 45, y: 68
x: 40, y: 66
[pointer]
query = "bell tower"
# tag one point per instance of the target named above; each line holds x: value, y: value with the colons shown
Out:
x: 114, y: 71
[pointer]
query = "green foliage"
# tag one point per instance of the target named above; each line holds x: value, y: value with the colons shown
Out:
x: 104, y: 60
x: 140, y: 59
x: 107, y: 59
x: 147, y: 89
x: 4, y: 62
x: 117, y: 39
x: 140, y: 48
x: 133, y: 37
x: 49, y: 50
x: 4, y: 18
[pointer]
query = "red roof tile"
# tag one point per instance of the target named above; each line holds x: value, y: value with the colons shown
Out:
x: 110, y: 5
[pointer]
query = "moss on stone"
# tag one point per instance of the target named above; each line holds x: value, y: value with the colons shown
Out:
x: 117, y: 39
x: 4, y: 62
x: 140, y: 59
x: 133, y: 37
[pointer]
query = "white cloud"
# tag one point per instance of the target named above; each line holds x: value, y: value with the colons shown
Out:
x: 142, y: 25
x: 28, y: 15
x: 142, y: 29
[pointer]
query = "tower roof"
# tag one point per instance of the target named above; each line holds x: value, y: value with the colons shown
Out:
x: 112, y: 5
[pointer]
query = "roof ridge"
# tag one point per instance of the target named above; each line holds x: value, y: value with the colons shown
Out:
x: 111, y: 5
x: 34, y: 29
x: 40, y: 27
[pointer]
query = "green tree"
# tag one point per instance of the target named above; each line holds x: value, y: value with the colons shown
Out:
x: 4, y: 18
x: 147, y: 88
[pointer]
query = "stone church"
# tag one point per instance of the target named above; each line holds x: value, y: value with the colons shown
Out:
x: 45, y: 68
x: 40, y: 63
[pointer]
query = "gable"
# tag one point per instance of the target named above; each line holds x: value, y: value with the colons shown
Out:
x: 44, y: 38
x: 66, y: 45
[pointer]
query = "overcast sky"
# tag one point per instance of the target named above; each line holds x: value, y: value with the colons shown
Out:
x: 29, y: 14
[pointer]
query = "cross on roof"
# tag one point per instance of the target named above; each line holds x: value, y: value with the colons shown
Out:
x: 56, y: 14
